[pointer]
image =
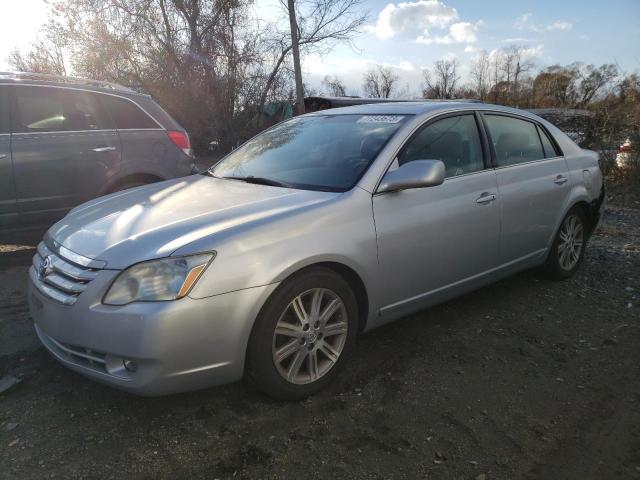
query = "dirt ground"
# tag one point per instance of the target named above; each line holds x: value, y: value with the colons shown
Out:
x: 523, y: 379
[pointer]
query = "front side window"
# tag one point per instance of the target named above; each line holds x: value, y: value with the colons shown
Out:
x: 38, y: 109
x: 126, y: 114
x: 514, y: 140
x: 320, y: 152
x: 454, y: 140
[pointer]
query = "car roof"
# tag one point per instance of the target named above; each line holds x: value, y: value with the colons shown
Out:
x: 80, y: 84
x: 419, y: 108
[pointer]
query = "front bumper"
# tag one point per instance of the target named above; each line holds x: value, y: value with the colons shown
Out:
x: 176, y: 346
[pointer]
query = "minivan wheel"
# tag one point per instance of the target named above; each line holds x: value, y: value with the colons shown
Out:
x: 303, y: 335
x: 569, y: 245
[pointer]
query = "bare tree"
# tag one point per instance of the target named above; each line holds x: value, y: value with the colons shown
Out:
x: 379, y: 82
x: 442, y: 81
x: 320, y: 24
x: 480, y: 72
x: 45, y: 56
x: 295, y: 51
x: 334, y: 85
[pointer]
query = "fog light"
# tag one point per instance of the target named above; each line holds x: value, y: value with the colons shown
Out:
x: 130, y: 365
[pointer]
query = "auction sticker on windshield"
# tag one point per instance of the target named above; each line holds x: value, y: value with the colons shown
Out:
x: 380, y: 119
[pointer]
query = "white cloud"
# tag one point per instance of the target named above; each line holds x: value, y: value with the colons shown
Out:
x: 461, y: 32
x: 428, y: 21
x: 559, y: 25
x: 530, y: 53
x: 522, y: 21
x: 471, y: 49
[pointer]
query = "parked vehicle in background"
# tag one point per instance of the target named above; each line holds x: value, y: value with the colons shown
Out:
x: 625, y: 156
x: 270, y: 264
x: 65, y: 140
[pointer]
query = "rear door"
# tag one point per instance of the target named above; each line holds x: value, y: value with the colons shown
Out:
x: 7, y: 192
x: 533, y: 185
x: 64, y: 150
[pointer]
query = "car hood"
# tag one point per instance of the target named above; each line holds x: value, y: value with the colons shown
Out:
x: 156, y: 220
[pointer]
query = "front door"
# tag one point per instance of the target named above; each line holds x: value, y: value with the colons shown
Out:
x: 432, y: 240
x: 63, y: 153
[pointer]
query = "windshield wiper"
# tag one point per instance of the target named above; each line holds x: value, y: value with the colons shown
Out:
x: 262, y: 181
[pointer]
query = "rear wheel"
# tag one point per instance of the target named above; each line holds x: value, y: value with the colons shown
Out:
x: 568, y: 247
x: 303, y: 335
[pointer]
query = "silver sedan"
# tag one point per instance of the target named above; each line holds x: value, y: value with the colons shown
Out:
x: 270, y: 264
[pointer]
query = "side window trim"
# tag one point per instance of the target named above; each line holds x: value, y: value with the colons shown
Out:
x: 430, y: 121
x: 12, y: 104
x: 557, y: 150
x: 518, y: 117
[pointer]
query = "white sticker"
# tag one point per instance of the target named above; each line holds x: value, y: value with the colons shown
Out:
x: 380, y: 119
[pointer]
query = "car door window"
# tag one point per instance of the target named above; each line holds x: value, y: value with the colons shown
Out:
x: 514, y: 140
x: 454, y: 140
x: 81, y: 111
x: 38, y: 109
x: 549, y: 149
x: 126, y: 114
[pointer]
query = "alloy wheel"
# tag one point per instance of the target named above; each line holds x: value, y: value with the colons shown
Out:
x: 571, y: 242
x: 310, y: 336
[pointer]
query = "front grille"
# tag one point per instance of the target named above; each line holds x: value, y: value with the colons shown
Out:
x: 57, y: 277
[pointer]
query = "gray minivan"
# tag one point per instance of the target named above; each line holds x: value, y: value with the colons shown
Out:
x: 64, y: 141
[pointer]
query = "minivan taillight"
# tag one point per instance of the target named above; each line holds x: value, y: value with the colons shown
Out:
x: 181, y: 140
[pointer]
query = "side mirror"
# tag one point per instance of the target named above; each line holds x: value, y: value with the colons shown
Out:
x: 416, y: 174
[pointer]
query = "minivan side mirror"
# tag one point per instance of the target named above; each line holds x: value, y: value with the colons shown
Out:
x: 415, y: 174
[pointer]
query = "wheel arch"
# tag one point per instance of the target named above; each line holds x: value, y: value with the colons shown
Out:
x: 348, y: 273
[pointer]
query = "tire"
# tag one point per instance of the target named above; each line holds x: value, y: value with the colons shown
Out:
x: 295, y: 376
x: 560, y: 265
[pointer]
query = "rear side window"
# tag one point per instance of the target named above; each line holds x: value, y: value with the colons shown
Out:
x: 454, y: 140
x: 126, y: 114
x: 38, y: 109
x: 82, y: 111
x: 549, y: 149
x: 514, y: 140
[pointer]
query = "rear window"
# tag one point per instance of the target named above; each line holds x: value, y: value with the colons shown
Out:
x: 126, y: 114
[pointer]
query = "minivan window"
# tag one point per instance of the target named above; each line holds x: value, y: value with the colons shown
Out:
x: 38, y: 109
x: 549, y: 149
x: 82, y: 111
x: 514, y: 140
x: 4, y: 109
x: 126, y: 114
x: 454, y: 140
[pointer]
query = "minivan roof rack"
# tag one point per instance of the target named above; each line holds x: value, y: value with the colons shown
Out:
x: 47, y: 77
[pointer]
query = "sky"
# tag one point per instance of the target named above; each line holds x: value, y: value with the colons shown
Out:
x: 409, y: 36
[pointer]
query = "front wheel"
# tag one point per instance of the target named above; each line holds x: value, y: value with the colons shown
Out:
x: 568, y: 247
x: 303, y: 335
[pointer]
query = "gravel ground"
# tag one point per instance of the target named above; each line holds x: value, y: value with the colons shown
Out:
x: 523, y: 379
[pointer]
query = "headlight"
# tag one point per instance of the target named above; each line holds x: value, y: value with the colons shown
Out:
x: 157, y: 280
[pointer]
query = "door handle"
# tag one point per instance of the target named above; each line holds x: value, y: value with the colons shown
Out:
x: 104, y: 149
x: 3, y: 155
x: 561, y: 179
x: 486, y: 197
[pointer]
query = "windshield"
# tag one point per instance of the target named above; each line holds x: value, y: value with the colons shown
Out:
x: 323, y: 152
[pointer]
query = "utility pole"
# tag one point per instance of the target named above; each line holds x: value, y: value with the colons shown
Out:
x: 293, y: 23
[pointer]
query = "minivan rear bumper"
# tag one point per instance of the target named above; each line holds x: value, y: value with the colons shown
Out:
x: 174, y: 346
